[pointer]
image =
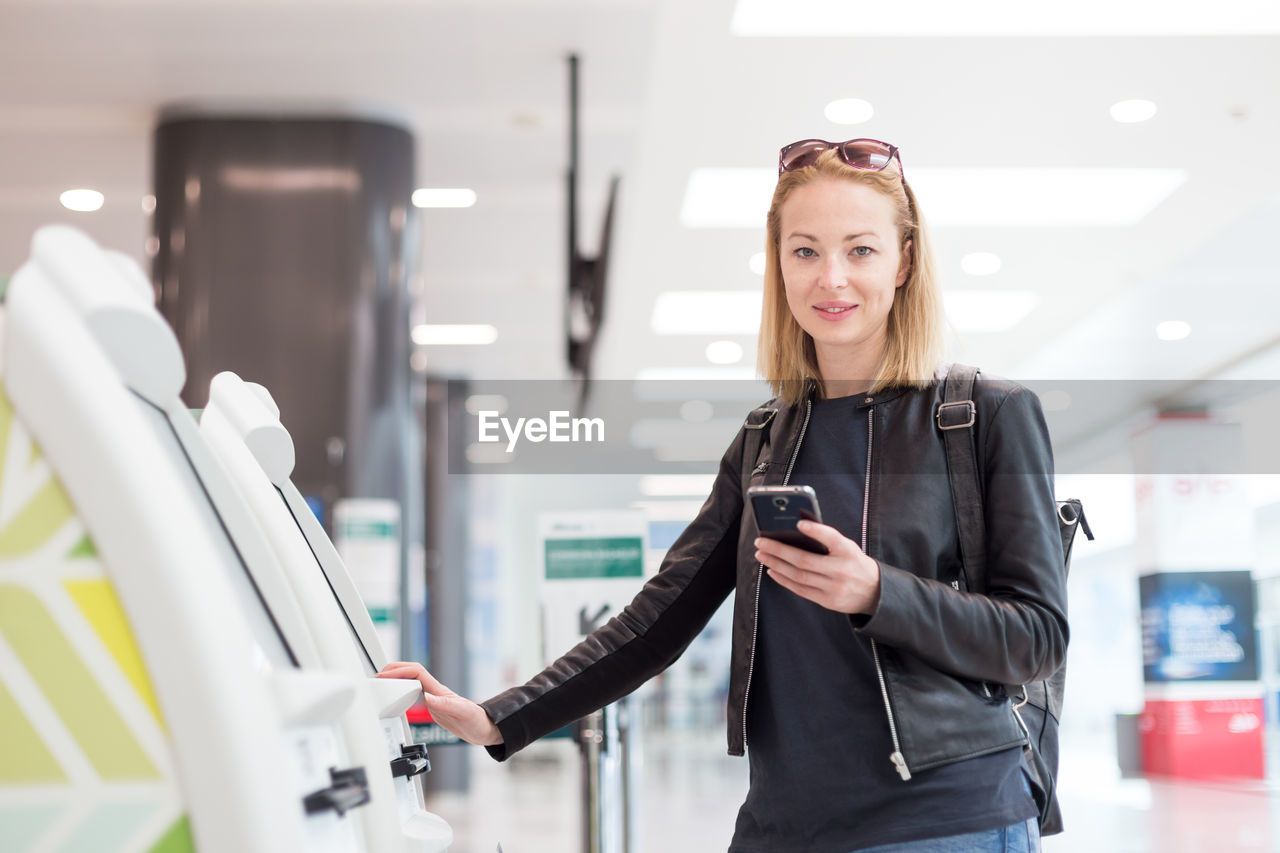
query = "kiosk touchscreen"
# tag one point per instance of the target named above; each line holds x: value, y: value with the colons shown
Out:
x: 242, y: 424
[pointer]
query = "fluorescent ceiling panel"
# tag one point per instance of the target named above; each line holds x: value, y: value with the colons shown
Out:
x: 676, y: 485
x: 649, y: 433
x: 727, y: 198
x: 707, y: 312
x: 478, y: 403
x: 981, y: 263
x: 1004, y: 18
x: 667, y: 510
x: 461, y: 334
x: 1009, y: 197
x: 735, y: 385
x: 709, y: 375
x: 488, y: 454
x: 988, y: 310
x: 724, y: 352
x: 1045, y: 198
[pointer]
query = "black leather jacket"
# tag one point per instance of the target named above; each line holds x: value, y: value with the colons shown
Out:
x: 944, y: 654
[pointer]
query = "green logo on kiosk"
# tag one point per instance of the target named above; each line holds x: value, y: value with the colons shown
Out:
x: 557, y: 427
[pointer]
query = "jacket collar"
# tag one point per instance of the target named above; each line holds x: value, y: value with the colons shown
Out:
x: 881, y: 396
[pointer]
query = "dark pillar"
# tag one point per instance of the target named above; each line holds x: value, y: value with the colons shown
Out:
x: 447, y: 536
x: 283, y: 250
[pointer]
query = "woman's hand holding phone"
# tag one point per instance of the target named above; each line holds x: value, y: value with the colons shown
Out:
x: 455, y: 713
x: 844, y: 579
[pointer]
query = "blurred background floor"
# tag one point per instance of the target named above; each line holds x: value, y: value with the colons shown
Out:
x: 691, y: 790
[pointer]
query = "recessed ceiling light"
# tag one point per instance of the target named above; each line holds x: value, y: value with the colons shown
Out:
x: 756, y: 264
x: 707, y: 312
x: 461, y: 334
x: 148, y: 204
x: 697, y: 411
x: 988, y: 310
x: 849, y: 111
x: 724, y: 352
x: 443, y: 197
x: 1133, y: 111
x: 1173, y: 330
x: 84, y: 201
x: 980, y: 263
x: 827, y: 18
x: 1008, y: 197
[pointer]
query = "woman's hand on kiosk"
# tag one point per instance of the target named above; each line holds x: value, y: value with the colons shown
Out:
x: 458, y: 714
x: 845, y: 579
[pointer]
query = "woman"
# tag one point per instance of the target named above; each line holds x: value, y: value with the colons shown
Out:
x: 868, y: 682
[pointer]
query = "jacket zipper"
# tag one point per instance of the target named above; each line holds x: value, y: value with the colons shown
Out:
x: 755, y: 619
x: 898, y: 760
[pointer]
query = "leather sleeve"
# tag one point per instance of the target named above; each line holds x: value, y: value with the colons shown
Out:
x: 1017, y: 632
x: 697, y: 574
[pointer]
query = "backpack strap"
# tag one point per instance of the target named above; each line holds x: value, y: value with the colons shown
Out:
x: 955, y: 418
x: 756, y: 430
x: 956, y: 415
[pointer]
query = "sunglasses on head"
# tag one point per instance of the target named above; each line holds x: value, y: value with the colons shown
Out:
x: 869, y: 154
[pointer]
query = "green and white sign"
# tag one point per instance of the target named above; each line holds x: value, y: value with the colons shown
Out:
x: 592, y: 566
x: 583, y: 559
x: 366, y: 534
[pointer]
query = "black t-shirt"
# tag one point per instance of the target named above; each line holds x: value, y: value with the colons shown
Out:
x: 818, y: 737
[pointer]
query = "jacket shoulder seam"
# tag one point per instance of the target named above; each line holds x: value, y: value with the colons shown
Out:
x: 1005, y: 395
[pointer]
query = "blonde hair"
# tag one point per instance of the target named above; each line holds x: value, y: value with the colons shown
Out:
x: 913, y: 345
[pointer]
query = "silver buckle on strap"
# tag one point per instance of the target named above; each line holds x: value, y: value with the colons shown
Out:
x: 764, y: 422
x: 965, y: 404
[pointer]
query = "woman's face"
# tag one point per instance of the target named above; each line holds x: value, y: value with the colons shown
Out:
x: 841, y: 264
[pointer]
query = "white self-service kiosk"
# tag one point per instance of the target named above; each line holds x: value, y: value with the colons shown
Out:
x: 160, y: 687
x: 242, y: 424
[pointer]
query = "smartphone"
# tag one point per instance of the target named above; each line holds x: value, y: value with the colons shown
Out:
x: 778, y: 508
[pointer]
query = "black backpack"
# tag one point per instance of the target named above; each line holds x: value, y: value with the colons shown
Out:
x: 1039, y: 707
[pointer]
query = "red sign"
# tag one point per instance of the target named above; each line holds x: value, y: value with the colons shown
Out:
x: 1203, y: 738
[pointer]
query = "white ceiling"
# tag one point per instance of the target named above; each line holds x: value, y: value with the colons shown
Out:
x: 666, y: 89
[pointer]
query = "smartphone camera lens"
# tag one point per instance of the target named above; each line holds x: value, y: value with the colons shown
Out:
x: 780, y: 502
